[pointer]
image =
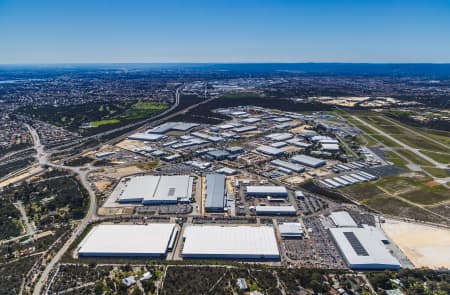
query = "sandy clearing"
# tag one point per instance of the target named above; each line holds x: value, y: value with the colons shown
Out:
x: 22, y: 176
x: 424, y: 245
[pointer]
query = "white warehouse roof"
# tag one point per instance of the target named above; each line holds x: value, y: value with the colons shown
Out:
x: 342, y: 219
x: 239, y: 242
x: 291, y: 166
x: 251, y: 120
x: 146, y: 136
x: 280, y: 136
x: 268, y: 150
x: 174, y: 187
x: 362, y: 249
x: 276, y: 210
x: 157, y: 189
x: 308, y: 160
x: 290, y: 230
x: 138, y: 188
x: 329, y: 146
x: 266, y: 190
x: 127, y: 240
x: 169, y: 126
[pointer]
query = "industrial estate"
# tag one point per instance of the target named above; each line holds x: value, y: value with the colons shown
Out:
x: 219, y: 181
x: 239, y: 195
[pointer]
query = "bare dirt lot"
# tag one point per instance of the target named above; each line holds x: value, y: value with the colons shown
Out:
x: 425, y: 246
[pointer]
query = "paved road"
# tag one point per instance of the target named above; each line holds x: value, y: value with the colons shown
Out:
x: 42, y: 157
x: 160, y: 115
x: 403, y: 145
x: 90, y: 216
x: 29, y: 228
x: 83, y: 172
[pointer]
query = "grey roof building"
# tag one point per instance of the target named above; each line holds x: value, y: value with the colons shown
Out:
x: 308, y: 161
x: 215, y: 192
x: 172, y: 126
x: 217, y: 154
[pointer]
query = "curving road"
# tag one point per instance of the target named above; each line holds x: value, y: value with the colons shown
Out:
x: 160, y: 115
x: 83, y: 172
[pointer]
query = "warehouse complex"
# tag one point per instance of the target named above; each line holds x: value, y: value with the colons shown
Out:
x: 244, y: 189
x: 215, y: 193
x: 363, y: 248
x: 150, y: 189
x: 114, y: 240
x: 230, y: 242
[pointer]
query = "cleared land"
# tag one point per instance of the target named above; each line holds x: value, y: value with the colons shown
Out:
x: 407, y: 195
x: 425, y: 246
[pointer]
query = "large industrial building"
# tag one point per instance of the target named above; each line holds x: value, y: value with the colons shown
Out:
x: 290, y: 230
x: 230, y: 242
x: 215, y: 193
x: 172, y: 126
x: 308, y: 161
x: 276, y: 210
x: 152, y: 190
x: 147, y: 137
x: 118, y: 240
x: 342, y: 219
x: 363, y: 248
x: 291, y: 166
x: 280, y: 136
x: 271, y: 151
x: 266, y: 190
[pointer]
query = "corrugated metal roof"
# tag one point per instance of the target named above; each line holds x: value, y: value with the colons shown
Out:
x: 282, y: 209
x: 308, y: 160
x: 230, y: 241
x: 342, y: 219
x: 146, y: 136
x: 155, y: 188
x: 215, y: 191
x: 280, y: 136
x: 266, y: 189
x: 288, y: 165
x: 265, y: 149
x: 374, y: 255
x: 178, y: 126
x: 127, y: 240
x: 290, y: 229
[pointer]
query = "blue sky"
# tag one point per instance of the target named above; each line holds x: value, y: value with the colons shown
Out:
x: 84, y: 31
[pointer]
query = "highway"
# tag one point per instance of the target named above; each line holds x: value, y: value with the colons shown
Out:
x: 158, y: 116
x: 83, y: 172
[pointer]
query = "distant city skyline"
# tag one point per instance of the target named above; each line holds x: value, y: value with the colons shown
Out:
x: 201, y: 31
